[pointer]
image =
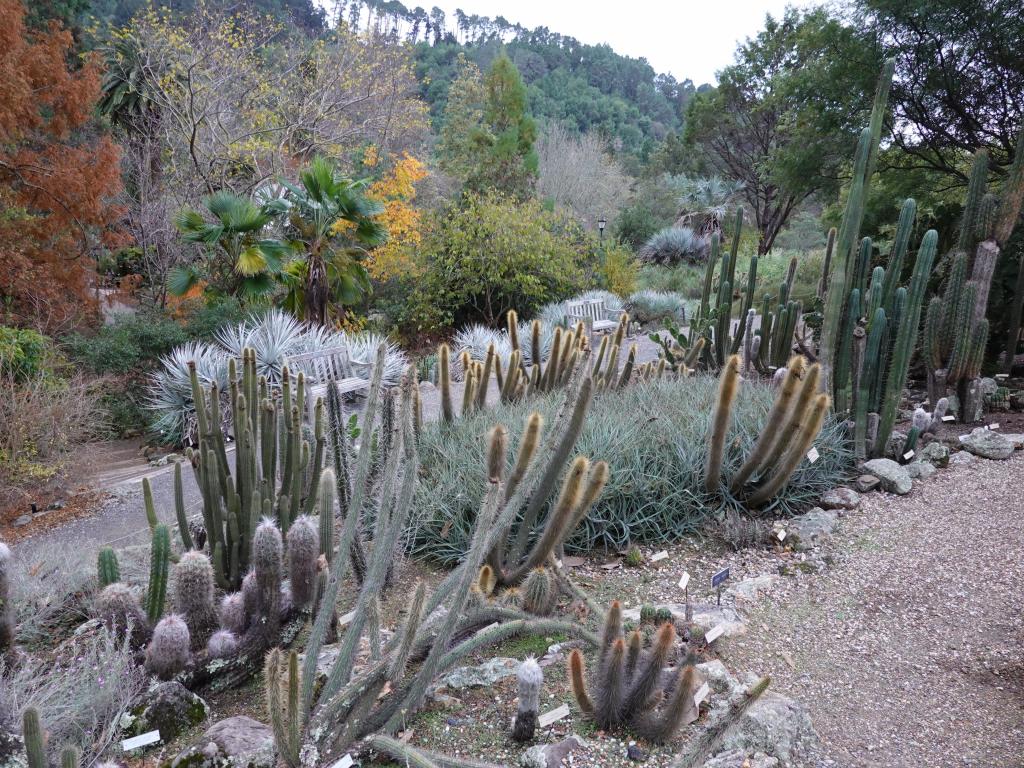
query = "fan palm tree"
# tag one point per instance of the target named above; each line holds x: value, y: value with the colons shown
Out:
x: 330, y: 226
x: 704, y: 202
x: 242, y: 260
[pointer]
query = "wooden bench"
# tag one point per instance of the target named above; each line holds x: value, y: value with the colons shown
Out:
x: 322, y: 367
x: 595, y: 316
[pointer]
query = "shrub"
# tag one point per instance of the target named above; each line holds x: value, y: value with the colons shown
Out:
x: 130, y: 344
x: 81, y: 693
x: 655, y: 306
x: 617, y: 270
x: 23, y: 353
x: 684, y: 279
x: 655, y: 492
x: 494, y: 254
x: 674, y: 245
x: 217, y: 312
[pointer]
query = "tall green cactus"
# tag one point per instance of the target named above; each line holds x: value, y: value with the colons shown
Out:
x: 107, y: 568
x: 35, y: 742
x: 282, y: 677
x: 159, y: 566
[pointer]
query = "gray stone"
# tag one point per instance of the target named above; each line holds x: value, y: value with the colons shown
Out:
x: 549, y: 755
x: 22, y: 520
x: 935, y: 453
x: 718, y: 678
x: 841, y: 498
x: 239, y: 742
x: 738, y: 758
x: 987, y: 443
x: 812, y: 528
x: 486, y: 674
x: 751, y: 589
x: 867, y: 483
x: 988, y: 386
x: 894, y: 445
x: 169, y: 708
x: 961, y: 457
x: 776, y: 726
x: 705, y: 615
x: 919, y: 470
x: 892, y: 476
x: 1017, y: 438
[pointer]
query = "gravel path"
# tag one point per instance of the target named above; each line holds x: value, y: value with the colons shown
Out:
x: 908, y: 651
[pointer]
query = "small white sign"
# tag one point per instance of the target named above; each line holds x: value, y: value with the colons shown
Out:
x: 994, y: 426
x: 140, y: 741
x: 663, y: 555
x: 1002, y: 375
x: 553, y: 716
x: 782, y: 535
x: 701, y: 694
x: 684, y: 580
x: 345, y: 762
x: 344, y: 621
x: 713, y: 634
x: 812, y: 455
x: 951, y: 417
x: 962, y: 437
x: 908, y: 455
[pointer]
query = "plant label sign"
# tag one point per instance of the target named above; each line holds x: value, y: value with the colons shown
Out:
x: 1002, y: 375
x: 345, y: 762
x: 663, y: 555
x: 994, y: 426
x: 719, y: 578
x: 949, y: 418
x: 701, y: 694
x: 813, y: 455
x: 553, y: 716
x: 908, y: 455
x: 684, y: 580
x: 782, y: 534
x: 142, y: 740
x: 714, y: 633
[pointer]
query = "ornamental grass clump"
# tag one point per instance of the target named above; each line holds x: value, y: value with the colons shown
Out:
x: 654, y: 437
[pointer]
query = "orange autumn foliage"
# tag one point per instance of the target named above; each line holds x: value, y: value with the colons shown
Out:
x: 396, y: 191
x: 58, y: 175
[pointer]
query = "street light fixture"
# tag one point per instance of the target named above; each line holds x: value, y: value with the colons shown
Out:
x: 601, y: 224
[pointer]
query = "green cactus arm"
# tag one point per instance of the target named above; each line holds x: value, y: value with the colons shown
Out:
x: 107, y: 568
x: 35, y: 742
x: 728, y: 385
x: 748, y: 302
x: 1012, y: 197
x: 809, y: 427
x: 158, y: 570
x: 830, y: 245
x: 709, y: 277
x: 901, y: 241
x: 147, y: 500
x: 868, y: 374
x: 976, y: 185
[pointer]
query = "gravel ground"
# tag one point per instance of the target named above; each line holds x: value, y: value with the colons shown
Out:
x: 907, y: 651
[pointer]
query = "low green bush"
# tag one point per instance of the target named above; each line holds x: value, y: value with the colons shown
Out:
x: 24, y: 353
x: 129, y: 344
x: 654, y: 438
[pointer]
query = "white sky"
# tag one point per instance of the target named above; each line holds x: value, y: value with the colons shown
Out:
x: 687, y: 38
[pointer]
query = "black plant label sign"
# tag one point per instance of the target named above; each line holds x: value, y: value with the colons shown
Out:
x: 719, y: 578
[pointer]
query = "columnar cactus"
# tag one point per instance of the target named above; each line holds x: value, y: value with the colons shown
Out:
x: 168, y: 651
x: 223, y: 644
x: 107, y: 569
x: 303, y: 552
x: 7, y: 624
x: 727, y: 387
x: 268, y: 571
x: 539, y: 592
x: 194, y: 596
x: 159, y: 565
x: 281, y: 674
x: 34, y: 738
x: 628, y: 686
x: 119, y: 610
x: 530, y: 679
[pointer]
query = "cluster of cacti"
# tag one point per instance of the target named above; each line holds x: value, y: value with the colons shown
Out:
x: 7, y: 624
x: 956, y: 330
x: 34, y: 738
x: 768, y: 348
x: 629, y: 685
x: 277, y: 471
x: 438, y: 630
x: 923, y: 423
x: 793, y: 423
x: 530, y: 681
x: 118, y: 606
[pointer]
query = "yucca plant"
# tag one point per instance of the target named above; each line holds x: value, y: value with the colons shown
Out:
x: 674, y: 245
x: 170, y: 395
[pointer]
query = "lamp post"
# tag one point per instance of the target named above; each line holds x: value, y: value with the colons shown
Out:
x: 601, y: 223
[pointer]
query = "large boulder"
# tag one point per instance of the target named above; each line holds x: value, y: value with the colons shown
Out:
x: 987, y: 443
x: 935, y: 453
x: 239, y: 742
x: 813, y: 528
x: 891, y: 475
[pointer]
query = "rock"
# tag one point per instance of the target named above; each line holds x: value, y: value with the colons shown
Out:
x: 894, y: 445
x: 705, y: 615
x: 935, y: 453
x: 239, y: 742
x: 717, y: 677
x: 751, y: 589
x: 812, y: 528
x: 634, y: 753
x: 776, y: 726
x: 988, y: 386
x: 549, y: 755
x: 1017, y: 438
x: 738, y: 758
x: 484, y: 675
x: 866, y: 483
x: 961, y: 457
x: 841, y: 498
x: 987, y: 443
x: 920, y: 469
x: 892, y: 476
x: 169, y: 708
x: 22, y: 520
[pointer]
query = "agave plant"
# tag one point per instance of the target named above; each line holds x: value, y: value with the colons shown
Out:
x: 362, y: 348
x: 649, y: 306
x: 273, y: 335
x: 674, y: 245
x: 170, y: 393
x: 476, y: 339
x: 525, y: 333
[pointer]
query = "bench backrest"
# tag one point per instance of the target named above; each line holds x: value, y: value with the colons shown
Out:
x: 323, y: 365
x: 592, y: 309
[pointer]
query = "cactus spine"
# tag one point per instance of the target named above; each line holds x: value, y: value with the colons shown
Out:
x: 35, y: 743
x: 728, y: 384
x: 282, y: 684
x: 168, y: 651
x: 194, y: 597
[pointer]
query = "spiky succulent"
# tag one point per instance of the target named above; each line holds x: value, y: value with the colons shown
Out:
x: 168, y: 651
x: 674, y: 245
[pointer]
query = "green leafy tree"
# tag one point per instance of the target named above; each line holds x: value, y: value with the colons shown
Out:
x: 330, y: 225
x: 493, y: 254
x: 782, y: 118
x: 487, y: 139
